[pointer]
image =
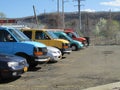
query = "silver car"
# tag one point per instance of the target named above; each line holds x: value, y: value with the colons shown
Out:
x: 54, y: 54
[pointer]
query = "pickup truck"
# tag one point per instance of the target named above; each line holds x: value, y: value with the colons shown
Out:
x: 13, y: 41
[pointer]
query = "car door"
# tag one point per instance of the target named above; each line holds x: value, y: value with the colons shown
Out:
x: 6, y: 46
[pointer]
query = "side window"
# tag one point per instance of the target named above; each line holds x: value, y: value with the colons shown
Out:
x: 6, y: 36
x: 62, y: 37
x: 1, y: 36
x: 28, y: 34
x: 41, y: 35
x: 71, y: 35
x: 38, y: 35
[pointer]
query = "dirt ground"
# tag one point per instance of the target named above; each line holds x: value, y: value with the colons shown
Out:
x: 92, y: 66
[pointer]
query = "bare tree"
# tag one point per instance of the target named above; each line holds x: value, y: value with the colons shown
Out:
x: 2, y: 15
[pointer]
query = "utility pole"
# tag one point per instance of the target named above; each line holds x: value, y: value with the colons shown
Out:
x: 63, y: 23
x: 63, y: 14
x: 110, y: 19
x: 35, y: 15
x: 58, y: 14
x: 79, y: 13
x: 58, y: 6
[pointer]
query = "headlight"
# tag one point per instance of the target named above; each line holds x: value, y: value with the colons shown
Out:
x: 13, y: 64
x: 38, y: 51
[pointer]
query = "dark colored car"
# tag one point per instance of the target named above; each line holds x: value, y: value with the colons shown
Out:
x: 12, y: 66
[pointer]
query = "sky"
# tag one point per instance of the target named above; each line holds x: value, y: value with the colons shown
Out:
x: 24, y: 8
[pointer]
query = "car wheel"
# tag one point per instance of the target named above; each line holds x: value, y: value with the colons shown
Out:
x: 74, y: 47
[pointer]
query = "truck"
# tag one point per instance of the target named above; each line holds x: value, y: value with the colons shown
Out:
x: 47, y: 37
x: 71, y: 33
x: 13, y: 41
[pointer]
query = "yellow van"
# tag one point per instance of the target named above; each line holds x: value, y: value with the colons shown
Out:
x: 47, y: 37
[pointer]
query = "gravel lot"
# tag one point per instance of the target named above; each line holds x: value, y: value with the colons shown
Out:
x: 92, y: 66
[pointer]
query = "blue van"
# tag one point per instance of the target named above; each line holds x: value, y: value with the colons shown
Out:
x: 75, y: 45
x: 13, y: 41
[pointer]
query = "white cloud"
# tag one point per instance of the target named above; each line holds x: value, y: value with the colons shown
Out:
x: 89, y: 10
x: 111, y: 3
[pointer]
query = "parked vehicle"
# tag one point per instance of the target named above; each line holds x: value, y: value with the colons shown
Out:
x: 12, y: 66
x: 71, y: 33
x: 75, y: 45
x: 54, y: 54
x: 48, y: 38
x: 13, y: 41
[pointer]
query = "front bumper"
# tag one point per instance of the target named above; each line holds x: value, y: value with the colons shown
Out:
x: 42, y: 59
x: 7, y: 73
x: 55, y: 57
x: 66, y: 51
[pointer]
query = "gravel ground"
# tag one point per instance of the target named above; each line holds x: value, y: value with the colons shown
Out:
x: 89, y: 67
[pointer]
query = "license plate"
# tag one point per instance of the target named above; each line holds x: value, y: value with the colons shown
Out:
x: 25, y: 69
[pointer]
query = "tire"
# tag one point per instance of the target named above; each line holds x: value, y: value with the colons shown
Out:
x: 74, y: 47
x: 32, y: 63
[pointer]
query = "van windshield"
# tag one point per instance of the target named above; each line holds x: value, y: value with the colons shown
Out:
x: 76, y: 34
x: 67, y: 37
x: 19, y: 35
x: 52, y: 35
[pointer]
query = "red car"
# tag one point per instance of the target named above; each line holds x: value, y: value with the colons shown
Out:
x: 71, y: 33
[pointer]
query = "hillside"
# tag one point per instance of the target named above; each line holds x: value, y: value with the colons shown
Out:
x: 89, y: 23
x: 74, y: 15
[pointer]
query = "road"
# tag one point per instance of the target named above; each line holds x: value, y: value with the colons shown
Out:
x: 89, y: 67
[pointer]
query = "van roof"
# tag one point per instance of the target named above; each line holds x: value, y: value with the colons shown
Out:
x: 15, y: 26
x: 3, y: 27
x: 43, y: 29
